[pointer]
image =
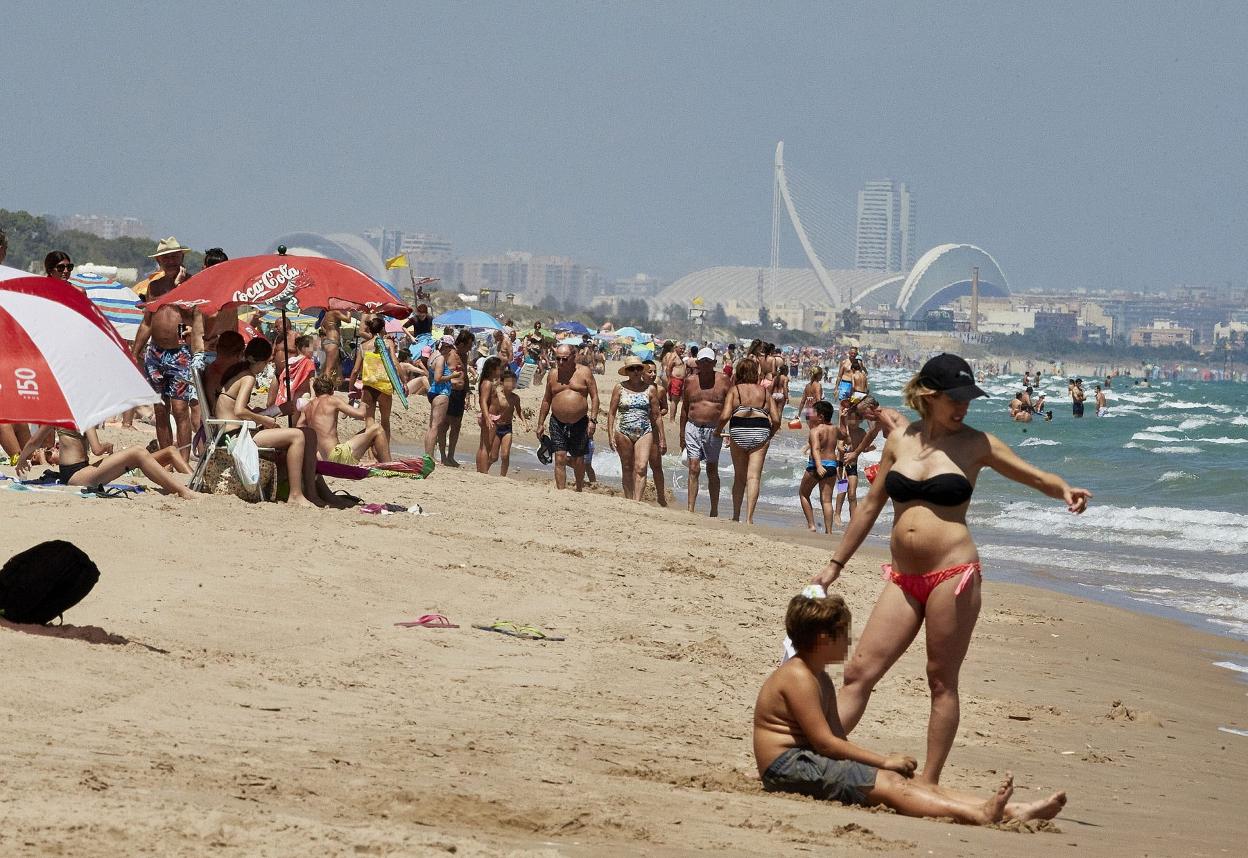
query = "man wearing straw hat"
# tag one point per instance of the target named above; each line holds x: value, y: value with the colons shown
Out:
x: 160, y: 349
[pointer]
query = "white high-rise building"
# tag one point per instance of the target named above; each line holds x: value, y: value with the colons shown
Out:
x: 885, y: 239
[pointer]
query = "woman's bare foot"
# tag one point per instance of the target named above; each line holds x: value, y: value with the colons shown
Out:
x: 1043, y: 809
x: 994, y: 808
x: 301, y: 501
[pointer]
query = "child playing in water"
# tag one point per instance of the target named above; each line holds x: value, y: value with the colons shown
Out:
x: 800, y: 746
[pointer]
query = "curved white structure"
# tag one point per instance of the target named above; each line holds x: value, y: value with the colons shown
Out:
x: 782, y: 183
x: 944, y: 273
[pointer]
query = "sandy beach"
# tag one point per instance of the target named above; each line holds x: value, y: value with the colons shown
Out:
x: 235, y: 685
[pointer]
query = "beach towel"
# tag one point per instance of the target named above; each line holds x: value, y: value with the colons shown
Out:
x: 417, y: 469
x: 300, y: 369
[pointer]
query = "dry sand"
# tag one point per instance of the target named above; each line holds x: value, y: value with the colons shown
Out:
x: 235, y: 685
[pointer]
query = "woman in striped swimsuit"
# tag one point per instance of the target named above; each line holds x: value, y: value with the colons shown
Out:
x: 752, y: 418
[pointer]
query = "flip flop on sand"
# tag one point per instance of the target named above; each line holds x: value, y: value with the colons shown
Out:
x: 506, y: 627
x: 429, y: 621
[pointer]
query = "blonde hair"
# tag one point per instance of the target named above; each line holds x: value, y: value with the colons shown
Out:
x: 915, y: 395
x: 816, y: 374
x: 807, y: 617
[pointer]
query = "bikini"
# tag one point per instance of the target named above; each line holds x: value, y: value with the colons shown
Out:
x: 940, y: 490
x: 67, y: 471
x: 748, y: 431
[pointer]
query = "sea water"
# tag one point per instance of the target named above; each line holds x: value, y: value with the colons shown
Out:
x: 1167, y: 528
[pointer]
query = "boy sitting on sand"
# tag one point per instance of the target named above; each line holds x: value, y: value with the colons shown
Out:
x: 321, y: 415
x: 800, y: 746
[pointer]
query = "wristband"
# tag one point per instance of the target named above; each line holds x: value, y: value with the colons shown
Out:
x: 840, y: 563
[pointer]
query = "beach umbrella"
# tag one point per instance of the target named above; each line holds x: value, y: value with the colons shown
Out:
x: 467, y: 317
x: 572, y: 328
x: 63, y: 363
x: 272, y: 279
x: 545, y: 334
x: 118, y: 303
x: 632, y: 333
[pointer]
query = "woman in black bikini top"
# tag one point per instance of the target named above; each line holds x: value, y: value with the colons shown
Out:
x: 928, y: 470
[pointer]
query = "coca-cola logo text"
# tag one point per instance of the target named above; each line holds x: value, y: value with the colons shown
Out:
x: 273, y: 285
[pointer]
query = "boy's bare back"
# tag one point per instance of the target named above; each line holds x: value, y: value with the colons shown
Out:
x: 775, y: 729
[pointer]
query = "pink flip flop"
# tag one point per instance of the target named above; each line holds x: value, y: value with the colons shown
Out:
x: 429, y: 621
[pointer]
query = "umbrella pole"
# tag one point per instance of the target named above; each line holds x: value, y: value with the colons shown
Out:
x: 290, y: 418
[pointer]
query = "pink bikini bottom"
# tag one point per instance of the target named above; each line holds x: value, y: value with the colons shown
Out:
x: 921, y: 586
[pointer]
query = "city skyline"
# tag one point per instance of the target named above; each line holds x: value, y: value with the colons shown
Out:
x: 1080, y: 145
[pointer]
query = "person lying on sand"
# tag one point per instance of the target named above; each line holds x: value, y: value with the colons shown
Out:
x: 76, y: 470
x: 321, y: 416
x: 800, y: 746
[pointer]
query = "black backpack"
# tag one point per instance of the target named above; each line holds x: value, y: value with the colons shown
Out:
x: 43, y: 582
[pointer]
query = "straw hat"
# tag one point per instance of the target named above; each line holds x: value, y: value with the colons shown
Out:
x: 168, y: 245
x: 630, y: 362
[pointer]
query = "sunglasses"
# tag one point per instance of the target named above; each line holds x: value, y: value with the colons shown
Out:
x: 633, y: 369
x: 64, y: 266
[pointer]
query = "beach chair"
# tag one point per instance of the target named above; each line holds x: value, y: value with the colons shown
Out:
x: 216, y: 434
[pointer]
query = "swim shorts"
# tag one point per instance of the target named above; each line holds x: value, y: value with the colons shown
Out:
x: 571, y: 438
x: 1076, y: 408
x: 843, y: 390
x: 343, y: 455
x: 168, y: 371
x: 458, y: 398
x: 851, y: 469
x: 802, y: 771
x: 702, y: 444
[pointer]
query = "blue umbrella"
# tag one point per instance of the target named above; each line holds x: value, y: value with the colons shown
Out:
x: 630, y: 331
x: 468, y: 318
x: 572, y: 328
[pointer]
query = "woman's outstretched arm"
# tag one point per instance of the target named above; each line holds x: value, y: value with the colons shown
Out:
x: 1010, y: 465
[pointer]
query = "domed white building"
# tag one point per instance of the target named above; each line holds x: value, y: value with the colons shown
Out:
x: 940, y: 276
x: 343, y: 247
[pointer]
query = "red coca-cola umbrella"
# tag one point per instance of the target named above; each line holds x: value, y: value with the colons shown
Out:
x: 315, y: 283
x: 271, y: 280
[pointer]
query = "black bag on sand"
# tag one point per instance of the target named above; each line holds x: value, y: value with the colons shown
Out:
x: 43, y: 582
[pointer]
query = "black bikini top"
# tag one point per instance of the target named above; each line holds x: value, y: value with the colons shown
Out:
x: 940, y: 490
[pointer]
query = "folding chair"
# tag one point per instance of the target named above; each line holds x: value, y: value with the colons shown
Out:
x: 216, y: 434
x: 527, y: 371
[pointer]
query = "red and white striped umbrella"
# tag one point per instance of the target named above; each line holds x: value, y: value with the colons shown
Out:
x: 61, y: 361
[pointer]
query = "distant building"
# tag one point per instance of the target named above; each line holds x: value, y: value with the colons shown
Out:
x: 885, y: 238
x: 386, y: 241
x: 638, y: 286
x: 106, y: 226
x: 532, y: 278
x: 1161, y: 332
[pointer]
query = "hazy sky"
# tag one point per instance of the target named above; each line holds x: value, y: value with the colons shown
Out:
x: 1084, y: 143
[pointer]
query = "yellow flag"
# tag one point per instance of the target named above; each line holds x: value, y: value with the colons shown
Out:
x: 697, y: 302
x: 399, y: 261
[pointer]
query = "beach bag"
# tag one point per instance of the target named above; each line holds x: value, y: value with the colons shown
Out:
x: 220, y: 478
x: 373, y: 373
x: 246, y: 456
x: 45, y: 581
